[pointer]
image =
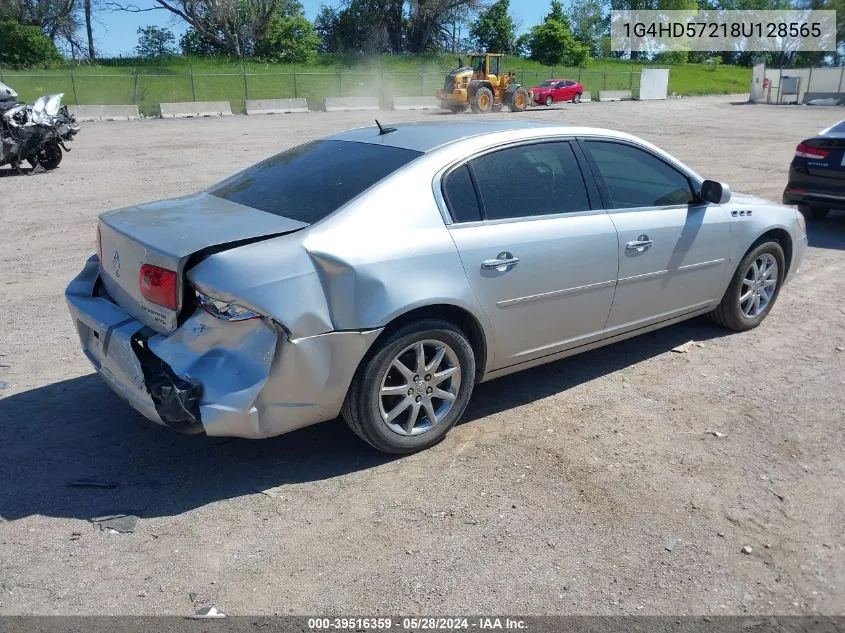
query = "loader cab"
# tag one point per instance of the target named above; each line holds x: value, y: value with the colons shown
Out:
x: 486, y: 67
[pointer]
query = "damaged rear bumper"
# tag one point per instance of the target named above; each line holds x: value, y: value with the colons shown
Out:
x: 242, y: 379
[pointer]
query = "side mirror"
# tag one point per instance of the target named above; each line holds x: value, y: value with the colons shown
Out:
x: 715, y: 192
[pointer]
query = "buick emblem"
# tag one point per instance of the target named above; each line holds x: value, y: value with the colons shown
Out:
x: 115, y: 261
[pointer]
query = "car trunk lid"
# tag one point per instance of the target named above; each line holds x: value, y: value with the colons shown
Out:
x: 167, y: 234
x: 825, y: 156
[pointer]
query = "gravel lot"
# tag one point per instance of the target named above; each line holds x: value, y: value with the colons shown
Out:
x: 590, y: 485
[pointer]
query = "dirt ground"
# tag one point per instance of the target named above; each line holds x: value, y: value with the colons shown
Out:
x: 591, y: 486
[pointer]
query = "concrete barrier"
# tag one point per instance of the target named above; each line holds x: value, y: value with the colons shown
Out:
x: 586, y: 96
x: 276, y: 106
x: 195, y: 109
x: 350, y: 104
x: 615, y: 95
x: 416, y: 103
x: 105, y: 112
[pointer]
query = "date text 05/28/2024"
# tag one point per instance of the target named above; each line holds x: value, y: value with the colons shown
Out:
x: 417, y: 624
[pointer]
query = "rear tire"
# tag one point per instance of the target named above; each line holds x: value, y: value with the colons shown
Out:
x: 482, y: 101
x: 739, y: 310
x: 813, y: 213
x: 384, y: 397
x: 519, y: 100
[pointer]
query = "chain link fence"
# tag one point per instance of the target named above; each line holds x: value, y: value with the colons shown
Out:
x: 148, y: 88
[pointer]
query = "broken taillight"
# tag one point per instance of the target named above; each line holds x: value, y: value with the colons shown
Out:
x: 159, y: 286
x: 805, y: 151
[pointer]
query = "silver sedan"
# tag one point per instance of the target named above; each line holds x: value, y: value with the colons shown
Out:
x: 382, y: 272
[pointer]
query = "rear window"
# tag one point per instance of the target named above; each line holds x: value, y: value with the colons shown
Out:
x: 839, y: 128
x: 309, y: 182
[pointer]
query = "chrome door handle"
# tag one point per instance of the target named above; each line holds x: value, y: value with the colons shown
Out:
x: 640, y: 245
x: 502, y: 261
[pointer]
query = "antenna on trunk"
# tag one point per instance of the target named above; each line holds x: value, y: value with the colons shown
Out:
x: 384, y: 130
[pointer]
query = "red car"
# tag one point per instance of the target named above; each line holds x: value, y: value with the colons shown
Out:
x: 554, y: 90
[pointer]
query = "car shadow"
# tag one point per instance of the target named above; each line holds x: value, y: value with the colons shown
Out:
x: 828, y: 233
x: 78, y: 429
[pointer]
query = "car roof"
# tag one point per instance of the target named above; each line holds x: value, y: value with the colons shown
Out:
x: 425, y: 136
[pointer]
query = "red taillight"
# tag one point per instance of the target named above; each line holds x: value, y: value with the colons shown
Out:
x: 158, y: 285
x: 805, y: 151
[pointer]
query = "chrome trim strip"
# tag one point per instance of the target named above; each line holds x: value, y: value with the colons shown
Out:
x: 507, y: 303
x: 680, y: 269
x: 813, y: 194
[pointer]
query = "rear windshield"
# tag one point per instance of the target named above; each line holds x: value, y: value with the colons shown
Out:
x: 309, y: 182
x: 839, y: 128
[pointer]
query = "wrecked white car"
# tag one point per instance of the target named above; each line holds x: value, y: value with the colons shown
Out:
x: 382, y: 272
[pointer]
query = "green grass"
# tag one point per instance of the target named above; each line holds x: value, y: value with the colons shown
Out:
x: 146, y: 83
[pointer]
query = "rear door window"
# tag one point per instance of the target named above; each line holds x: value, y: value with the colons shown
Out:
x: 460, y: 196
x: 309, y: 182
x: 530, y: 180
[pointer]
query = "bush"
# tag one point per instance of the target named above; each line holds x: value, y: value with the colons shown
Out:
x: 26, y: 47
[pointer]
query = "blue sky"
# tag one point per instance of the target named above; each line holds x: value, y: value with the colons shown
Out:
x: 115, y: 32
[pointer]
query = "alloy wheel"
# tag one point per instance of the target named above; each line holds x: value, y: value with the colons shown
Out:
x: 758, y: 286
x: 419, y: 387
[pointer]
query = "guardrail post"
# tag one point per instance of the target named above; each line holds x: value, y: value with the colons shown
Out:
x: 135, y: 87
x: 246, y: 86
x: 604, y: 79
x: 340, y: 82
x: 193, y: 87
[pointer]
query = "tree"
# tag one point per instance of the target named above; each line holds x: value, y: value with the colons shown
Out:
x: 552, y: 42
x: 193, y: 44
x: 89, y: 31
x: 494, y: 30
x: 238, y: 27
x: 23, y: 46
x: 58, y: 19
x: 154, y: 42
x: 522, y: 45
x: 590, y: 21
x: 291, y: 40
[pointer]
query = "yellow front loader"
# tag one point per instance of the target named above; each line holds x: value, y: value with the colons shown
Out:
x: 482, y: 87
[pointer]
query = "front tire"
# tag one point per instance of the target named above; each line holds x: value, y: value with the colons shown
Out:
x: 482, y: 101
x: 408, y: 394
x: 813, y: 213
x: 49, y: 156
x: 577, y: 98
x: 519, y: 100
x: 754, y: 288
x: 549, y: 101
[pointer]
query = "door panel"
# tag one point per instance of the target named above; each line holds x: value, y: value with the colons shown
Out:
x: 541, y: 261
x: 683, y: 269
x: 673, y: 252
x: 557, y: 295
